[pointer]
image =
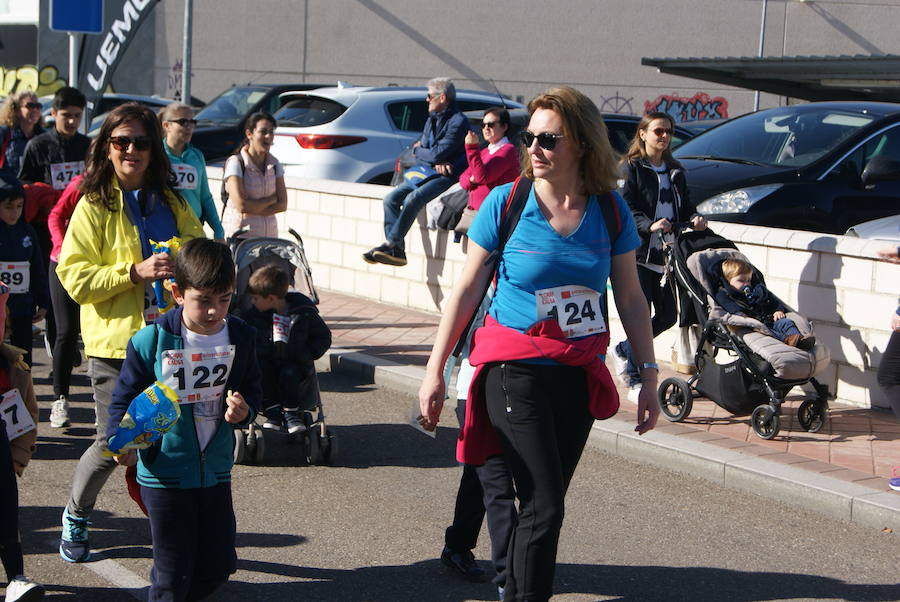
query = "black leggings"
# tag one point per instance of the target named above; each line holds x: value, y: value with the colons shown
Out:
x: 541, y: 416
x: 889, y: 372
x: 10, y: 547
x: 68, y: 325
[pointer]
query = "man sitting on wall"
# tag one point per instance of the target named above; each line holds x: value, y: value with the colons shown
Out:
x: 441, y: 155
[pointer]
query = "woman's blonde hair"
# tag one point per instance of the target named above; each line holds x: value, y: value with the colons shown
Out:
x: 582, y: 126
x: 636, y: 150
x: 9, y: 111
x: 169, y: 110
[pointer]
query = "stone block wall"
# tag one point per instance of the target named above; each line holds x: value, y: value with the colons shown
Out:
x: 833, y: 280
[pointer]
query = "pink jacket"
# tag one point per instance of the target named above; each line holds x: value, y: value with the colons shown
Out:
x: 58, y: 220
x: 488, y: 171
x: 494, y: 342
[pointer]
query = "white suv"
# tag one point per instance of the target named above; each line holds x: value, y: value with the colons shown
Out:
x: 355, y: 134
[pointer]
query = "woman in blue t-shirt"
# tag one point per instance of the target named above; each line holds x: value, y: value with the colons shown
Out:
x: 540, y: 377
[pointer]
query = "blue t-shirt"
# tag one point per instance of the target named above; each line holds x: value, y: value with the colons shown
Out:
x: 537, y: 257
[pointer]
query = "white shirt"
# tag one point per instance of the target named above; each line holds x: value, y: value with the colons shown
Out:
x: 206, y: 427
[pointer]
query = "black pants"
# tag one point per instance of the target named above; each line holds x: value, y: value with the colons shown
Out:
x: 10, y: 547
x: 541, y: 415
x: 661, y: 301
x: 290, y: 386
x: 21, y: 335
x: 486, y: 488
x: 193, y: 533
x: 889, y: 372
x: 68, y: 325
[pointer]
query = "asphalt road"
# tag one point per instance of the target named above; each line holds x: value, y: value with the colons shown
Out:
x: 371, y: 527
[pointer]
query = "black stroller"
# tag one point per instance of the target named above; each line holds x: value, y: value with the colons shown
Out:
x: 758, y: 370
x: 318, y: 443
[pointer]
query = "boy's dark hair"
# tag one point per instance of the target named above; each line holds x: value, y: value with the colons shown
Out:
x: 10, y: 187
x: 204, y: 264
x: 67, y: 96
x: 269, y: 280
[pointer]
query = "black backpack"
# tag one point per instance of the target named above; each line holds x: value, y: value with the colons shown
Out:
x: 509, y: 219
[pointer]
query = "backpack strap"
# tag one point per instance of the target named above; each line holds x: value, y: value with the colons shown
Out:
x: 509, y: 218
x: 223, y: 195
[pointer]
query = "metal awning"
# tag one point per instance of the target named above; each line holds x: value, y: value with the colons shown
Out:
x: 859, y: 77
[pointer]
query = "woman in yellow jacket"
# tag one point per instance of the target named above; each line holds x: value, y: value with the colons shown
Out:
x: 108, y: 267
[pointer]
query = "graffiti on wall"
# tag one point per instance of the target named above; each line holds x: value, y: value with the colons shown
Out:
x: 44, y: 81
x: 174, y: 79
x: 699, y: 106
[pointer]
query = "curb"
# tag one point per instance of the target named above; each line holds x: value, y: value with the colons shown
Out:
x: 789, y: 484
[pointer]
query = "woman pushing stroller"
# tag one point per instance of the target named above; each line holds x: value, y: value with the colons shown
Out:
x: 656, y: 192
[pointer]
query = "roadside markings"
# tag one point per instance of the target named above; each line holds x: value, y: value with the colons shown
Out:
x: 116, y: 574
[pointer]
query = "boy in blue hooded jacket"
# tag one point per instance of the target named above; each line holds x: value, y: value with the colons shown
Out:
x: 209, y: 359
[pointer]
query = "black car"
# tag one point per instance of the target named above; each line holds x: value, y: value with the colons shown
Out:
x: 220, y: 125
x: 822, y: 166
x: 619, y: 128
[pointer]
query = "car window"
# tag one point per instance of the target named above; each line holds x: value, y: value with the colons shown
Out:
x: 886, y: 143
x: 620, y: 134
x: 785, y: 137
x: 408, y: 116
x: 232, y: 105
x: 475, y: 105
x: 308, y: 111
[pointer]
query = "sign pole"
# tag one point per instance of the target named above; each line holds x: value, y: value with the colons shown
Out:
x: 186, y: 56
x: 73, y: 59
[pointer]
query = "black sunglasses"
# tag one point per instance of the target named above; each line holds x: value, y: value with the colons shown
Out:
x: 141, y: 143
x: 489, y: 124
x: 33, y: 105
x: 546, y: 140
x: 184, y: 122
x: 661, y: 131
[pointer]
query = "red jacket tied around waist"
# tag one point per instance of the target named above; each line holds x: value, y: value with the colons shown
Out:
x: 494, y: 342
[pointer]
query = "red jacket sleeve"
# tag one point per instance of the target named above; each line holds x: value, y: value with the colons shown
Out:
x: 39, y: 200
x: 58, y: 219
x: 492, y: 170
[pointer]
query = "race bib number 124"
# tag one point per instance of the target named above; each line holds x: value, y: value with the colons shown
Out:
x: 577, y: 309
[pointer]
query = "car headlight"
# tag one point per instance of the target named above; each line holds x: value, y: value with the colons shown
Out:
x: 736, y: 201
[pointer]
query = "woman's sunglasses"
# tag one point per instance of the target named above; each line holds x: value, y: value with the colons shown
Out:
x: 184, y: 122
x: 141, y: 143
x: 34, y: 105
x: 660, y: 131
x: 489, y: 124
x: 546, y: 140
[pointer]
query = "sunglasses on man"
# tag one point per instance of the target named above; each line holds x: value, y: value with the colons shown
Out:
x: 545, y: 140
x: 122, y: 143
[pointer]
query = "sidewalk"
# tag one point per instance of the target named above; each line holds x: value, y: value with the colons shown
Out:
x: 841, y: 471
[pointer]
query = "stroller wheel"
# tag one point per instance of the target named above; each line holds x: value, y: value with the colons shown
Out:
x: 811, y: 416
x: 314, y: 451
x: 675, y: 399
x: 259, y: 447
x: 765, y: 421
x: 331, y: 451
x: 240, y: 445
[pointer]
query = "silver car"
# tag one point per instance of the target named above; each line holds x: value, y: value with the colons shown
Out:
x: 355, y: 134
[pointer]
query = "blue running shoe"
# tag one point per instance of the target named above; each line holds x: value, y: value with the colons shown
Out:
x: 73, y: 545
x: 894, y: 483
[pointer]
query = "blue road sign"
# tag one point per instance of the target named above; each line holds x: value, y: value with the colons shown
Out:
x: 82, y: 16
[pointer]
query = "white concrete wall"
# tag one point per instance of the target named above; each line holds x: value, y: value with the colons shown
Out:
x: 833, y: 280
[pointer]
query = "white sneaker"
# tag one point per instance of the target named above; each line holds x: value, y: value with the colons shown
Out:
x: 23, y: 589
x: 59, y: 413
x: 633, y: 393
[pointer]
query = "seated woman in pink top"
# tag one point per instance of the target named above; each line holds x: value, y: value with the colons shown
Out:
x: 255, y: 183
x: 495, y: 164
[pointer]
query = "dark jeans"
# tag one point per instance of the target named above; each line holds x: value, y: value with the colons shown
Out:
x: 541, y: 416
x: 784, y: 328
x: 288, y: 387
x: 68, y: 325
x: 889, y: 372
x: 403, y: 203
x: 489, y: 488
x: 661, y: 301
x: 193, y: 533
x: 10, y: 548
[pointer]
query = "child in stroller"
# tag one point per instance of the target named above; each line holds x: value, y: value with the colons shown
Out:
x: 275, y: 294
x: 740, y: 295
x: 290, y: 335
x: 757, y: 369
